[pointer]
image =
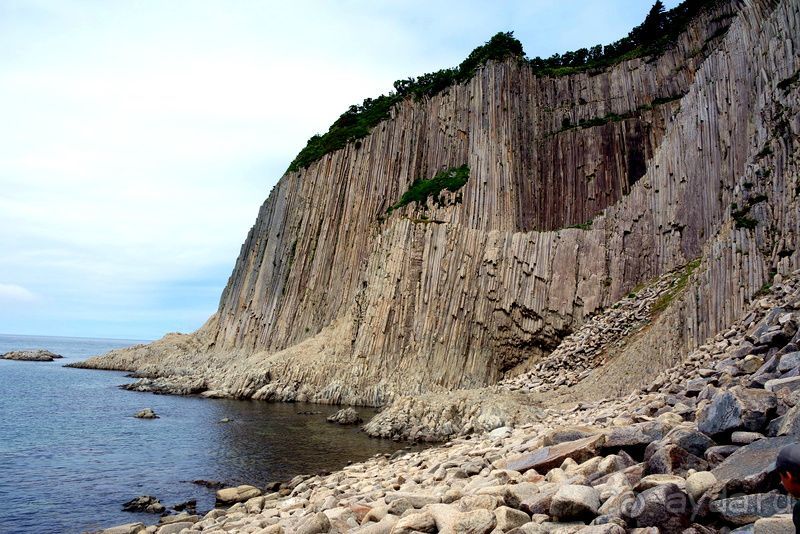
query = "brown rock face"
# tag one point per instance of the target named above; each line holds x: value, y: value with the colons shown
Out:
x: 334, y: 300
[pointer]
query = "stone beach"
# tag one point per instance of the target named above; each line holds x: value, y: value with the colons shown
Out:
x: 690, y: 452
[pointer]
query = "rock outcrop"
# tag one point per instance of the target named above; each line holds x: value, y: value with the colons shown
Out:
x: 37, y: 355
x: 689, y: 155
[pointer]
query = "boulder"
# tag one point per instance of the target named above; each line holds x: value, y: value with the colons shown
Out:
x: 745, y: 438
x: 685, y: 436
x: 786, y: 425
x: 673, y: 460
x: 508, y: 518
x: 147, y: 413
x: 777, y: 524
x: 745, y: 509
x: 575, y: 502
x: 698, y: 483
x: 144, y: 503
x: 788, y: 362
x: 345, y: 416
x: 749, y: 468
x: 228, y: 496
x: 792, y: 383
x: 737, y: 408
x: 449, y: 519
x: 717, y: 454
x: 651, y: 481
x: 415, y: 522
x: 547, y: 458
x: 315, y: 524
x: 665, y: 507
x: 128, y: 528
x: 634, y: 438
x: 174, y: 528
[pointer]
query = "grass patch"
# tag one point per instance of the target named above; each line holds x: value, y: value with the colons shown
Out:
x: 421, y: 190
x: 582, y: 226
x: 678, y: 285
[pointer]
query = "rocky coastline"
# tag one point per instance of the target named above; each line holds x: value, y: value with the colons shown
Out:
x: 692, y: 452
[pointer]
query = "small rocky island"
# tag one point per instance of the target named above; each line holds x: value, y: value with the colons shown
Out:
x: 37, y: 355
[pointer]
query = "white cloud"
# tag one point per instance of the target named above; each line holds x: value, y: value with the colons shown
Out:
x: 14, y: 294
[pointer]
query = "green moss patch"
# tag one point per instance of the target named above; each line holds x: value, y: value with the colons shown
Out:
x: 451, y: 179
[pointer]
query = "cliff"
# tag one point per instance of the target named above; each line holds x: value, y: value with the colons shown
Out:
x: 692, y: 154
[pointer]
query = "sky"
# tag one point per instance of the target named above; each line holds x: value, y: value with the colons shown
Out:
x: 138, y: 138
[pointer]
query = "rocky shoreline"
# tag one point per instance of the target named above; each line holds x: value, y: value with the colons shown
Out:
x: 692, y: 452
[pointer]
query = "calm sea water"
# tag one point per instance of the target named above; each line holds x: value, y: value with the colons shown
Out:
x: 71, y: 452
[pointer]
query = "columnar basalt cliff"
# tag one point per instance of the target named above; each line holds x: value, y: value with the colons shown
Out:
x: 580, y: 188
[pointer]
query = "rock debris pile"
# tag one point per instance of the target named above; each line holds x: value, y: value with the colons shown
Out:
x: 586, y: 349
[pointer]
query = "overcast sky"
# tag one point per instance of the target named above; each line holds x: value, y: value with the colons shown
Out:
x: 138, y: 138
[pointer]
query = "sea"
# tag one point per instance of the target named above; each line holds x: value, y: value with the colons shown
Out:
x: 71, y: 452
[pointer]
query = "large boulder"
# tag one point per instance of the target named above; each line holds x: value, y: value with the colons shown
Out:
x: 546, y: 458
x: 737, y: 408
x: 665, y: 506
x: 634, y: 438
x: 750, y: 467
x: 746, y: 509
x: 777, y: 524
x: 685, y: 436
x: 228, y: 496
x: 345, y: 416
x: 673, y: 460
x: 575, y: 502
x: 147, y: 413
x: 786, y: 425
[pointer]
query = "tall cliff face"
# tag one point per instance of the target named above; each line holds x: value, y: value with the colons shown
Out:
x: 333, y: 299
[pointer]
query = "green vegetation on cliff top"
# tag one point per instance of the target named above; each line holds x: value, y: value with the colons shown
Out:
x: 657, y: 33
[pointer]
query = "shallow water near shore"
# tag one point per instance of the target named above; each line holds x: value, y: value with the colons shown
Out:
x: 71, y: 452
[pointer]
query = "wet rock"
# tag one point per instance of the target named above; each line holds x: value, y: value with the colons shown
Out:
x: 228, y: 496
x: 144, y: 503
x: 179, y: 518
x: 745, y: 509
x: 748, y: 469
x: 736, y: 409
x: 189, y: 506
x: 345, y: 416
x: 575, y: 502
x: 544, y: 459
x: 665, y: 506
x: 38, y: 355
x: 147, y: 413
